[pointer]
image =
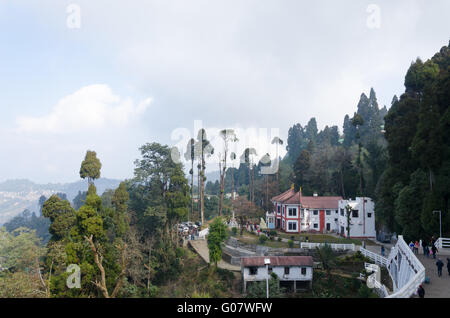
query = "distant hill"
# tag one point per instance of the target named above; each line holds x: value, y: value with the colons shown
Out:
x: 18, y: 195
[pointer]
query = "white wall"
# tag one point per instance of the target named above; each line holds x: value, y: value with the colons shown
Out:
x: 294, y: 273
x: 356, y: 225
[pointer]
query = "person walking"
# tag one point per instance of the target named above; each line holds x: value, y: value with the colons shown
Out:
x: 427, y: 251
x: 424, y: 247
x: 416, y: 247
x: 439, y: 265
x: 411, y: 246
x: 421, y: 291
x: 434, y: 250
x: 448, y: 265
x: 382, y: 250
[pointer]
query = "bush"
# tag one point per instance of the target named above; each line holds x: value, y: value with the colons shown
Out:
x: 234, y: 230
x: 291, y: 243
x: 273, y: 233
x: 279, y: 239
x: 262, y: 239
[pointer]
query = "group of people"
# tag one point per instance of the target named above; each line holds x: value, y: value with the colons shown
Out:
x: 428, y: 249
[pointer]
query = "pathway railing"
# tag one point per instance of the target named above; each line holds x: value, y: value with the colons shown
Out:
x: 442, y: 242
x: 406, y: 271
x: 334, y: 246
x: 376, y: 258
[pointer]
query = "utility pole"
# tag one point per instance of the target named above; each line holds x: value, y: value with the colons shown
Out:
x: 440, y: 222
x: 267, y: 262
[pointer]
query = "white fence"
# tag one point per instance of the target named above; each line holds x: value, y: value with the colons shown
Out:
x: 406, y: 271
x: 442, y: 242
x: 376, y: 258
x: 339, y: 247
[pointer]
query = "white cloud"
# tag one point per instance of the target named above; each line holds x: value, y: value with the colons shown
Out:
x: 91, y: 107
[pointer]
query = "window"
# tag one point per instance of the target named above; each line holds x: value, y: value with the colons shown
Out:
x: 292, y: 226
x: 279, y: 209
x: 342, y: 212
x: 292, y: 212
x: 303, y: 271
x: 283, y: 211
x: 270, y: 270
x: 369, y: 215
x: 316, y: 212
x: 354, y: 213
x: 328, y: 227
x: 302, y: 213
x: 316, y: 225
x: 253, y: 270
x: 328, y: 212
x: 283, y: 224
x: 286, y: 270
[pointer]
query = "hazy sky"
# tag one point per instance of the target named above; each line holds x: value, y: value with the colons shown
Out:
x: 144, y: 71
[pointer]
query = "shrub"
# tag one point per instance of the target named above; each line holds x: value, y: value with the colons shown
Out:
x: 279, y: 239
x: 262, y: 239
x: 291, y: 243
x: 273, y: 233
x: 234, y: 230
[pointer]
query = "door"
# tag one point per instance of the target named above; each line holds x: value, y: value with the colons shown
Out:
x: 328, y: 227
x: 322, y: 220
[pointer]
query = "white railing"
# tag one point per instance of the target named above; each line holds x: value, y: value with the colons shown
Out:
x: 442, y: 242
x: 342, y: 247
x: 376, y: 258
x: 406, y: 271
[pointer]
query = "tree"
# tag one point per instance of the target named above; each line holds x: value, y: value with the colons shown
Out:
x: 258, y: 289
x: 204, y: 149
x: 301, y: 167
x: 247, y: 158
x: 278, y: 142
x: 217, y: 234
x: 90, y: 167
x: 348, y: 214
x: 227, y: 135
x: 327, y: 258
x: 190, y: 155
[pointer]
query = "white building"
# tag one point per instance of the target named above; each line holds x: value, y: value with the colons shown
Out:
x: 295, y: 213
x: 294, y: 272
x: 362, y: 218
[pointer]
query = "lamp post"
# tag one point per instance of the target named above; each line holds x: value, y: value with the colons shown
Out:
x: 267, y: 262
x: 440, y: 222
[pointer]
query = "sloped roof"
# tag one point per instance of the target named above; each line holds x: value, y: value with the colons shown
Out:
x: 321, y: 202
x: 284, y: 196
x: 278, y: 261
x: 309, y: 202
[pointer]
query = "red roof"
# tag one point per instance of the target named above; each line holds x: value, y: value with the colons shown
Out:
x: 291, y: 197
x: 321, y: 202
x: 278, y: 261
x: 284, y: 196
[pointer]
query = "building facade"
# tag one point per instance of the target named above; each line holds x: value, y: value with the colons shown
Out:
x: 295, y: 272
x: 295, y: 213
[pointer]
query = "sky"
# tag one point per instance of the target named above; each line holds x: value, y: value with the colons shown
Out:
x: 111, y: 76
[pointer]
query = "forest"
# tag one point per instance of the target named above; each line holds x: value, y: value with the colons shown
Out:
x: 126, y: 242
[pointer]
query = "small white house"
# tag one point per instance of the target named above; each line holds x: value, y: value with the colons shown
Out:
x: 362, y: 218
x: 294, y: 272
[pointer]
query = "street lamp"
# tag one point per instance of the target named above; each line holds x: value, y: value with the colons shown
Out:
x: 267, y: 262
x: 440, y: 222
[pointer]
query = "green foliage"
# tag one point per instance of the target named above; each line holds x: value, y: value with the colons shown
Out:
x: 90, y: 167
x: 217, y: 234
x: 259, y: 289
x: 291, y: 243
x: 262, y: 239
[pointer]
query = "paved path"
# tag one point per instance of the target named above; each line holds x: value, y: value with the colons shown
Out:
x: 201, y: 247
x: 439, y: 287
